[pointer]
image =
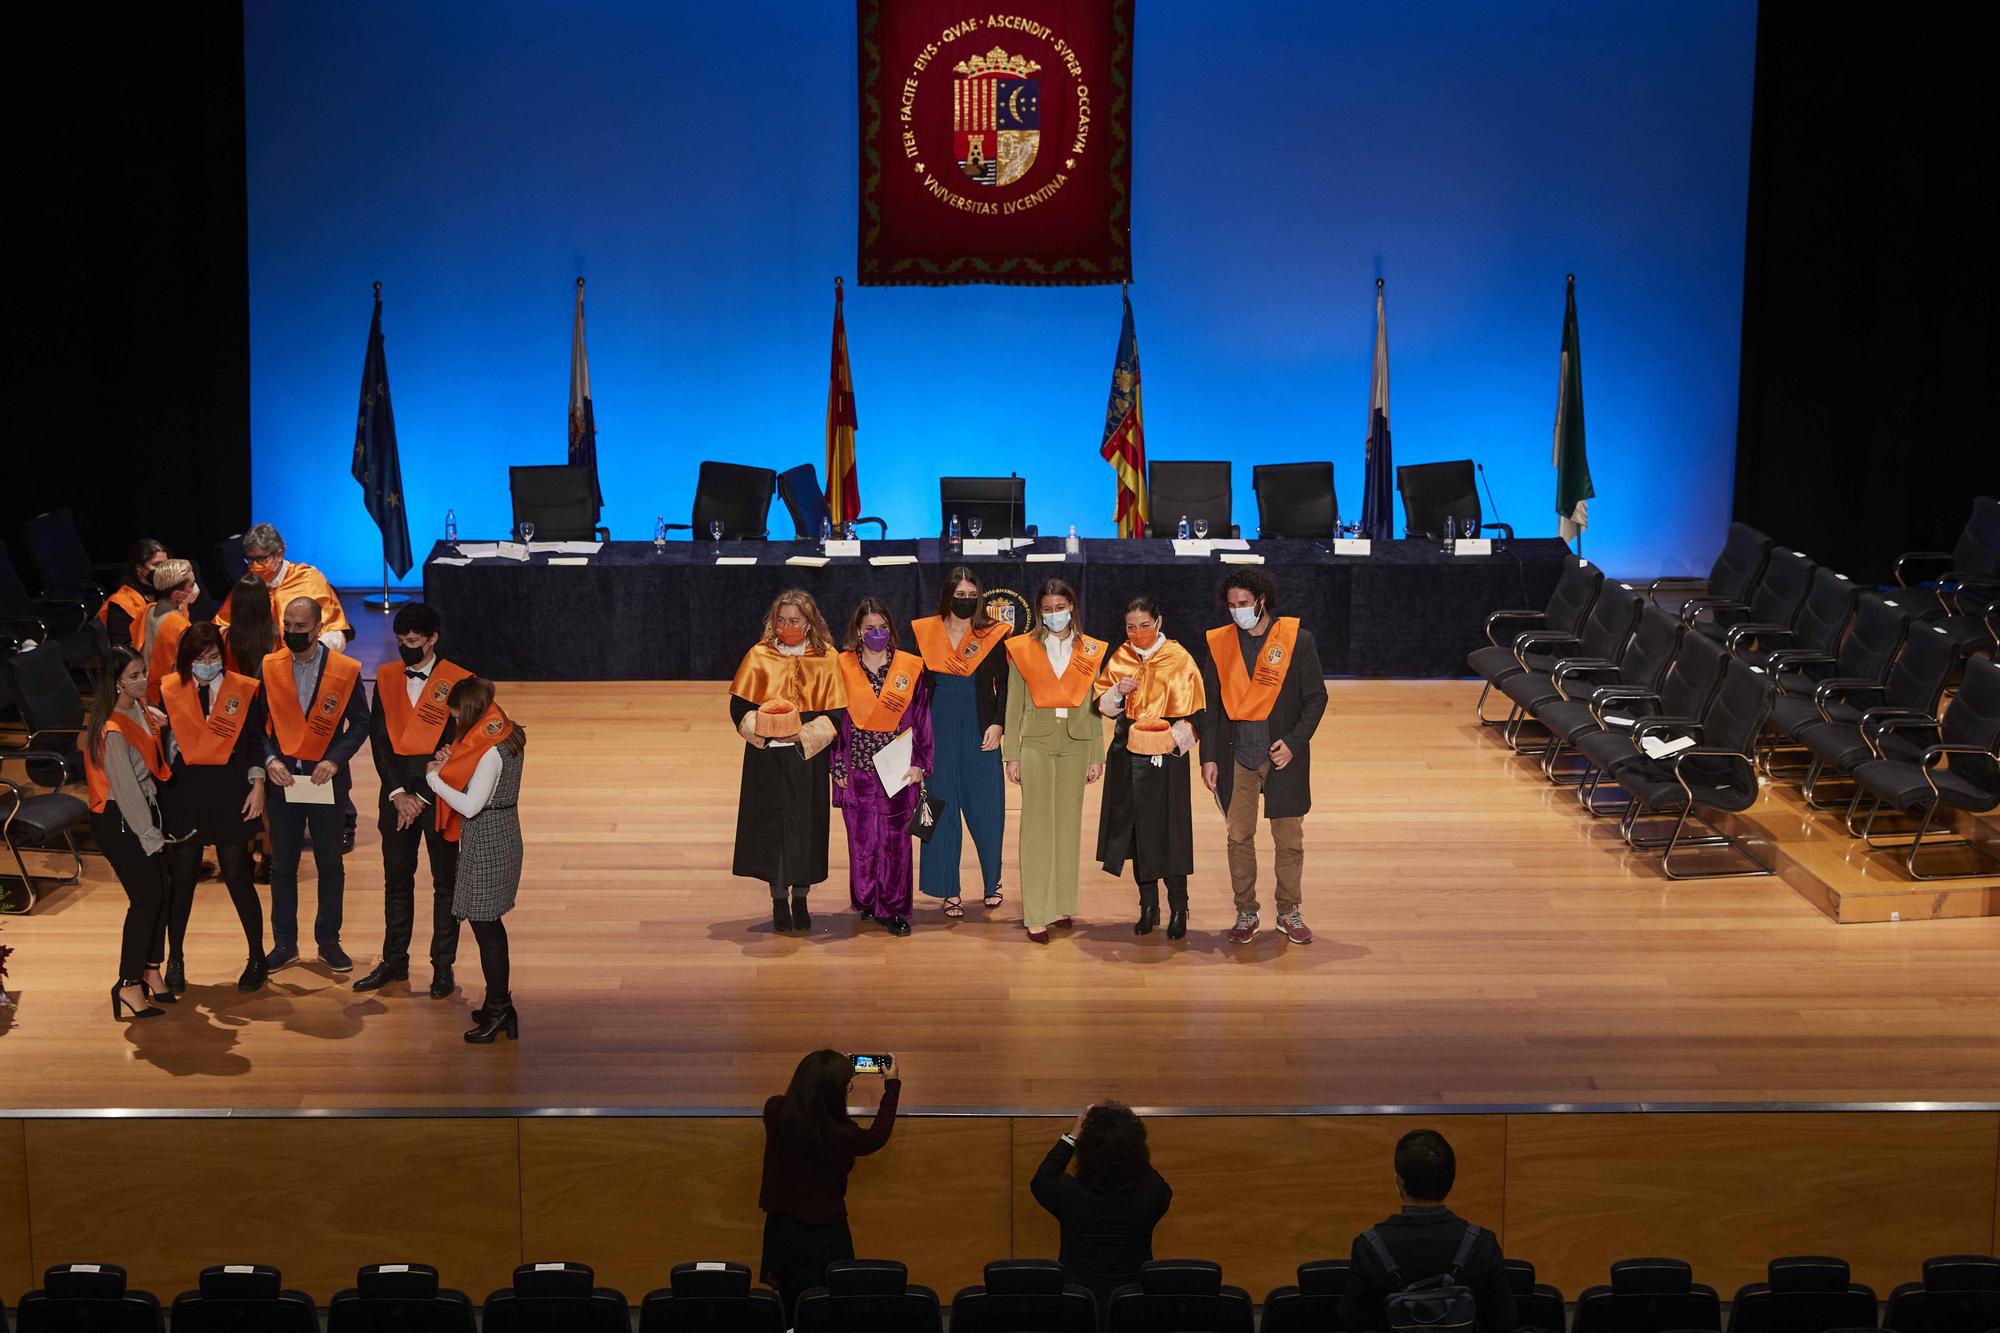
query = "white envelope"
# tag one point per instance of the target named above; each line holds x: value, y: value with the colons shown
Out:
x: 303, y: 792
x: 892, y: 762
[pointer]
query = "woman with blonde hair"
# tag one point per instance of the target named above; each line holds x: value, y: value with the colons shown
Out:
x: 174, y: 590
x: 786, y: 702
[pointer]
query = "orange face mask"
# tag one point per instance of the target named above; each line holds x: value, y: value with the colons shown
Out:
x: 791, y: 635
x: 1143, y: 638
x: 263, y: 569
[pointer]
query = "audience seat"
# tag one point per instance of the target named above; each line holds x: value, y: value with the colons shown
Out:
x: 1802, y: 1294
x: 1960, y: 1293
x: 1776, y: 599
x: 1641, y: 670
x: 1683, y: 697
x: 1732, y: 578
x: 1865, y: 655
x: 555, y: 1298
x: 1569, y: 606
x: 60, y: 557
x: 1822, y: 618
x: 88, y: 1298
x: 1974, y: 561
x: 399, y: 1298
x: 1600, y: 644
x: 1023, y: 1295
x: 868, y: 1296
x: 243, y: 1298
x: 66, y: 622
x: 1957, y: 768
x: 1179, y: 1296
x: 1648, y: 1296
x: 1312, y: 1305
x: 1913, y: 687
x: 1537, y: 1305
x: 708, y: 1297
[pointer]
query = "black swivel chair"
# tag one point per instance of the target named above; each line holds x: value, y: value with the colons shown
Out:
x: 1648, y: 1296
x: 1960, y: 1293
x: 1197, y: 489
x: 711, y: 1298
x: 1180, y: 1296
x: 560, y: 499
x: 999, y: 503
x: 1802, y: 1294
x: 1732, y: 578
x: 63, y: 561
x: 65, y: 621
x: 399, y: 1298
x: 1433, y: 492
x: 1958, y: 769
x: 556, y: 1296
x: 735, y: 495
x: 1295, y: 499
x: 88, y: 1298
x: 1024, y: 1294
x: 1973, y: 562
x: 868, y: 1296
x: 244, y: 1298
x: 799, y: 488
x: 1312, y: 1304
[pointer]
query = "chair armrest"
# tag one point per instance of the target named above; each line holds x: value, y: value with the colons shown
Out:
x: 1937, y: 752
x: 603, y: 533
x: 1497, y: 617
x: 1654, y: 726
x: 30, y: 627
x: 1780, y: 658
x: 26, y: 757
x: 1589, y: 675
x: 1675, y: 581
x: 1886, y: 718
x: 1412, y: 534
x: 1539, y: 638
x: 1694, y: 606
x: 1839, y: 687
x: 1738, y: 760
x: 1611, y: 694
x: 35, y: 736
x: 882, y: 527
x: 1906, y: 557
x: 1507, y: 528
x: 1759, y: 630
x: 72, y: 613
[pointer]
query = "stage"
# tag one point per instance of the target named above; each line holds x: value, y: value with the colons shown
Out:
x: 1480, y: 943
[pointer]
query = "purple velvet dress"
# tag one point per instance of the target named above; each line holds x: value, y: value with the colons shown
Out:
x: 879, y: 851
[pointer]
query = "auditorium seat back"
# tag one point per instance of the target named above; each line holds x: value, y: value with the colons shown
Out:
x: 1312, y: 1304
x: 243, y: 1298
x: 736, y: 494
x: 1648, y: 1296
x: 799, y: 488
x: 52, y: 710
x: 1537, y: 1305
x: 1960, y: 1293
x: 1199, y: 489
x: 1180, y: 1296
x: 1802, y: 1294
x: 399, y: 1298
x: 1295, y: 499
x: 555, y: 1298
x: 1024, y: 1294
x: 59, y: 555
x: 711, y: 1297
x: 560, y: 499
x: 1433, y: 492
x: 868, y: 1296
x: 88, y: 1298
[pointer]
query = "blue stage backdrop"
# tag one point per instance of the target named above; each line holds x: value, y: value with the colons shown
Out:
x: 696, y: 162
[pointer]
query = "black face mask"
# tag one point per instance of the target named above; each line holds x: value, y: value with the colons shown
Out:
x: 412, y: 656
x: 965, y: 607
x: 298, y: 640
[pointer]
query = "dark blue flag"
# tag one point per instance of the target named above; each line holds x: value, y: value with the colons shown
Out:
x: 1378, y: 479
x: 376, y: 465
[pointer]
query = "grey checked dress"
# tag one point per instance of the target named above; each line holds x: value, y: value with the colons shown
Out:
x: 490, y: 850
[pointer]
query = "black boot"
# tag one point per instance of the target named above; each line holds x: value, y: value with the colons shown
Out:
x: 494, y: 1017
x: 1148, y: 918
x: 253, y: 973
x: 801, y: 918
x: 177, y: 977
x: 1177, y: 924
x: 781, y: 916
x: 443, y: 983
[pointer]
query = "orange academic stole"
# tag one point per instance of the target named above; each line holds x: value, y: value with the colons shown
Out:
x: 141, y: 737
x: 414, y: 728
x: 208, y: 740
x: 1246, y: 697
x: 166, y: 643
x: 492, y: 727
x: 810, y: 682
x: 134, y: 604
x: 884, y: 712
x: 1046, y: 688
x: 1169, y: 681
x: 940, y: 656
x: 299, y: 736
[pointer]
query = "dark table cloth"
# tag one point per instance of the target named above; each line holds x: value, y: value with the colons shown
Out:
x: 631, y: 614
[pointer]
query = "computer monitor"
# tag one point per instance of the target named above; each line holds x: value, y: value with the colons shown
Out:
x: 1000, y: 503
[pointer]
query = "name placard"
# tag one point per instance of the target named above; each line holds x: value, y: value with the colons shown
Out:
x: 1473, y: 546
x: 1353, y: 546
x: 847, y: 548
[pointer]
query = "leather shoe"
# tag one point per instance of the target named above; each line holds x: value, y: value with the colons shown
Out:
x: 442, y: 984
x: 1038, y: 937
x: 1177, y: 924
x: 867, y: 914
x: 1148, y: 918
x: 896, y: 925
x: 336, y: 958
x: 383, y: 973
x: 254, y: 975
x: 282, y: 955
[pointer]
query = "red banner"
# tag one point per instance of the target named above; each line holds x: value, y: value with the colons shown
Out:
x: 996, y: 143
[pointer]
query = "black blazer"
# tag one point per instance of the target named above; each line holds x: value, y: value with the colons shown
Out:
x: 1294, y: 718
x: 1423, y: 1241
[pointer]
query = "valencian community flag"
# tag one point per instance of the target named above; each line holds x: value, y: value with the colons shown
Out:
x: 1573, y: 488
x: 582, y: 418
x: 376, y: 466
x: 843, y: 480
x: 1377, y: 518
x: 1124, y: 445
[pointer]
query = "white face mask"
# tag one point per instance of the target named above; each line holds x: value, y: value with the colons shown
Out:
x: 1246, y: 617
x: 1057, y: 621
x: 207, y: 670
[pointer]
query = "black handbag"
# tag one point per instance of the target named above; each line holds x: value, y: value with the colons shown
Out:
x: 930, y: 809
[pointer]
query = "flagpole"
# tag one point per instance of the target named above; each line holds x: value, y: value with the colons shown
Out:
x: 389, y: 603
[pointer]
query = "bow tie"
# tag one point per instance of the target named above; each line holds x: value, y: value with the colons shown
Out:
x: 412, y: 673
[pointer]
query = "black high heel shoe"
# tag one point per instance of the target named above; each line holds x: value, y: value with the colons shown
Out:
x: 119, y: 1004
x: 163, y: 995
x: 493, y: 1018
x: 1148, y: 918
x: 1177, y: 924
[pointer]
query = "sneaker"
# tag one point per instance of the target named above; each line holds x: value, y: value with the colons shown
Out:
x: 335, y: 957
x: 282, y: 955
x: 1245, y: 928
x: 1295, y: 928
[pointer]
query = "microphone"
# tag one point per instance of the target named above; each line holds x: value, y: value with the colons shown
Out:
x: 1494, y: 505
x: 1012, y: 549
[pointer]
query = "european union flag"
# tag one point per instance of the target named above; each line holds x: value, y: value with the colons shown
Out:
x: 376, y: 465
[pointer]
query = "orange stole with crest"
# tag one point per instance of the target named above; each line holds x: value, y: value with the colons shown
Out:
x: 880, y: 712
x: 210, y: 740
x: 300, y: 736
x: 935, y: 644
x: 1247, y: 697
x: 810, y: 682
x: 492, y: 727
x: 415, y: 728
x: 1046, y: 688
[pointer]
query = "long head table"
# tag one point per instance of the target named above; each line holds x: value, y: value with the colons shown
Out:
x: 1406, y: 609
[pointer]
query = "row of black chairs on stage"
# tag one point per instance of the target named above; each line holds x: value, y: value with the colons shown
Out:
x: 1773, y: 665
x: 1800, y: 1294
x: 1293, y: 500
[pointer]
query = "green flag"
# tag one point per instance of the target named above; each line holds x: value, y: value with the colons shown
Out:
x: 1573, y: 488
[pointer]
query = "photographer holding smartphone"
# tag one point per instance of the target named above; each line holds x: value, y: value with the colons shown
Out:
x: 810, y: 1146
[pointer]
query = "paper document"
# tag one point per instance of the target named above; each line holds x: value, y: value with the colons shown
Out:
x: 569, y: 559
x: 809, y: 561
x: 892, y: 762
x: 478, y: 550
x: 510, y: 550
x: 303, y: 792
x: 1240, y: 558
x: 736, y: 560
x: 879, y: 561
x: 1229, y: 543
x: 565, y: 548
x: 1046, y: 557
x: 1193, y: 546
x: 1656, y: 748
x: 447, y: 560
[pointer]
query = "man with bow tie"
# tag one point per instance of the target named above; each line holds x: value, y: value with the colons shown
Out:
x: 405, y: 725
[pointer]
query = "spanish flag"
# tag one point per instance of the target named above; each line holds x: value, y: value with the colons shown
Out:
x: 1124, y: 445
x: 843, y: 482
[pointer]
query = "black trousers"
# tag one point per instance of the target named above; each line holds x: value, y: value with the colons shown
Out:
x: 184, y: 868
x: 1149, y: 893
x: 796, y: 1255
x: 144, y: 879
x: 494, y: 959
x: 399, y: 888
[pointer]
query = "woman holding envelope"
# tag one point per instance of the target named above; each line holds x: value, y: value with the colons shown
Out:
x: 1152, y: 688
x: 785, y: 701
x: 888, y: 718
x: 1053, y: 745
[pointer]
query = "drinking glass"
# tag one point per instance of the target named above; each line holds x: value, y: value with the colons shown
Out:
x: 1201, y: 529
x: 527, y: 531
x: 715, y: 533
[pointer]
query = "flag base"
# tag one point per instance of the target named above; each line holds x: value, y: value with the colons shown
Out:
x: 389, y: 602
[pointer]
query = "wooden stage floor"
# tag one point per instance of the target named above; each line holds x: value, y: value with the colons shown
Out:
x: 1481, y: 942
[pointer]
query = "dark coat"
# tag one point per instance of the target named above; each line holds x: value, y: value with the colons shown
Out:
x: 1423, y: 1241
x: 1294, y: 718
x: 1147, y: 815
x: 783, y: 811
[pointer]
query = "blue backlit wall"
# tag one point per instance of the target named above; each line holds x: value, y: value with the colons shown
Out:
x: 696, y: 162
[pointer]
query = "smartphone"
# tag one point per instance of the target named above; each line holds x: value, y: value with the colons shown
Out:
x: 873, y: 1064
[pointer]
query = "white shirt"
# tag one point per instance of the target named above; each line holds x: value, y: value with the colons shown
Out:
x: 793, y: 649
x: 485, y: 774
x: 1059, y: 650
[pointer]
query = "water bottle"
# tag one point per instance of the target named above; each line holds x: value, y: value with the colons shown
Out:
x: 451, y: 527
x: 1182, y: 531
x: 825, y: 534
x: 951, y: 536
x: 1072, y: 544
x: 660, y: 535
x: 1450, y: 533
